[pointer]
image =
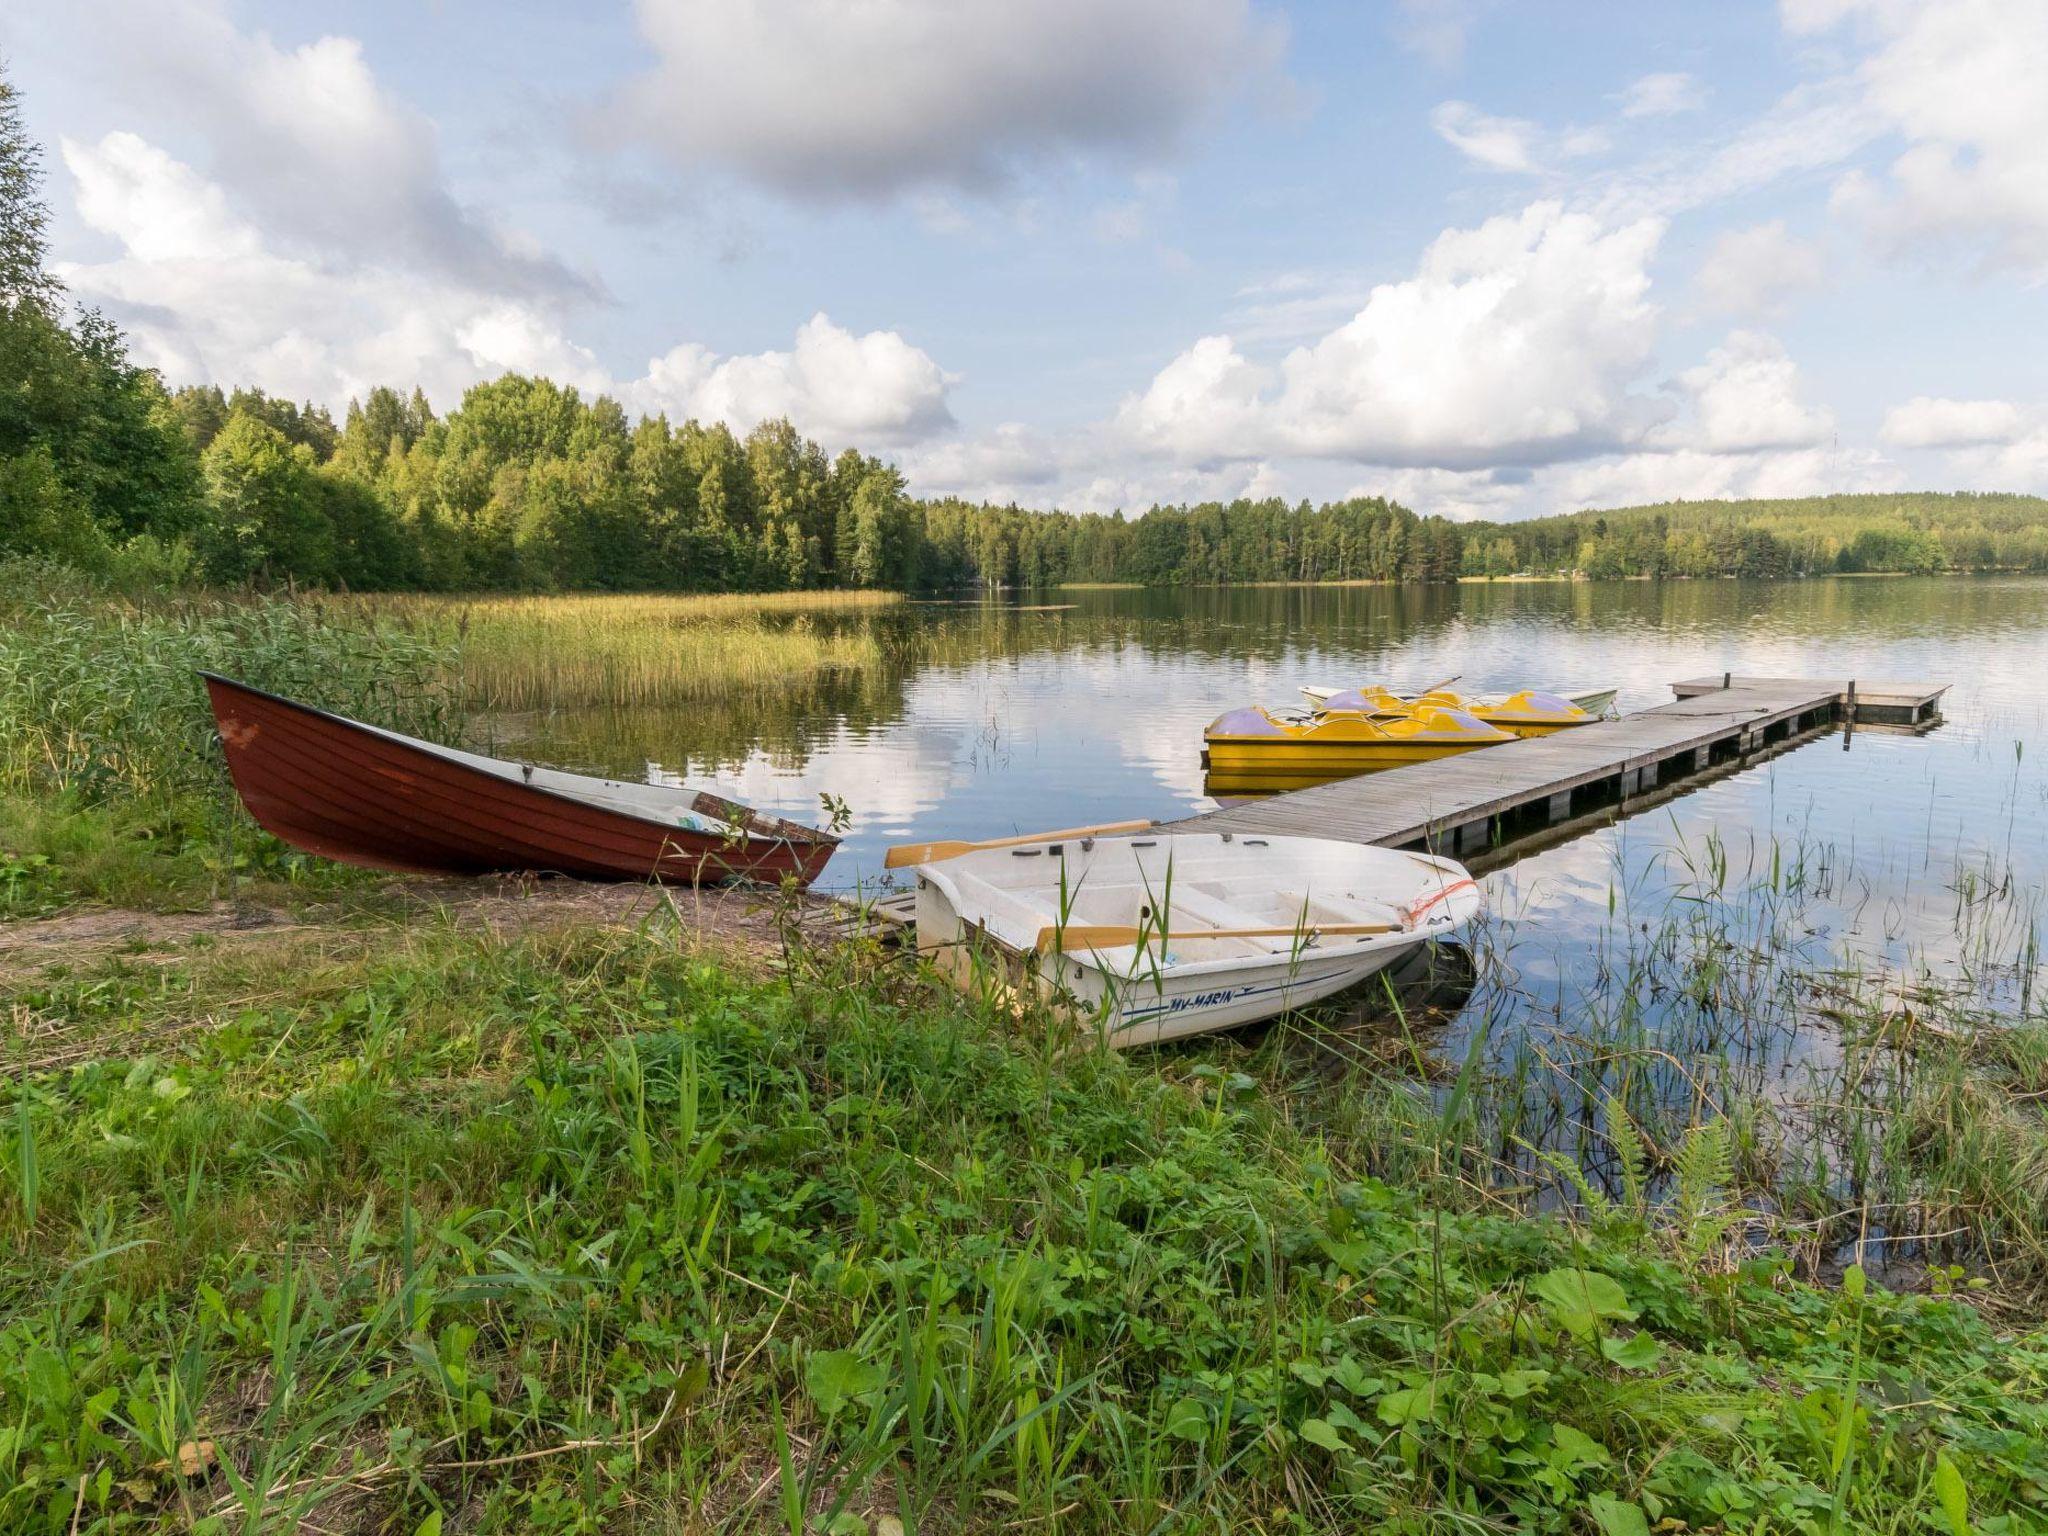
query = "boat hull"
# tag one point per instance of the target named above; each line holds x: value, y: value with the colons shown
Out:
x: 1141, y: 1010
x: 350, y: 792
x: 1288, y: 762
x: 1137, y: 995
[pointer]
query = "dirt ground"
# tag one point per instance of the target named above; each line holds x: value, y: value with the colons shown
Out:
x: 739, y: 918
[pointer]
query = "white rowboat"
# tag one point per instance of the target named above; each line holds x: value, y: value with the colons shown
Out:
x: 1153, y: 938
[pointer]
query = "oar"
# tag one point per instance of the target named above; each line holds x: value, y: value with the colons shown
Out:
x: 931, y: 853
x: 1109, y: 936
x: 1432, y: 688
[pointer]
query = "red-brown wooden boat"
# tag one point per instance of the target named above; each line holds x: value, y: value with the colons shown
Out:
x: 364, y: 795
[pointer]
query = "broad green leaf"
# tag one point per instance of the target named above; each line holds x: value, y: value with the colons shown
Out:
x: 1954, y: 1497
x: 1638, y: 1353
x: 431, y: 1526
x: 1576, y: 1448
x: 1186, y: 1420
x: 1617, y: 1517
x: 1321, y: 1432
x: 835, y: 1377
x: 1582, y: 1299
x: 1415, y: 1405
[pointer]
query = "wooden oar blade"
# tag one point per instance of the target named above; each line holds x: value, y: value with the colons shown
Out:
x: 904, y: 854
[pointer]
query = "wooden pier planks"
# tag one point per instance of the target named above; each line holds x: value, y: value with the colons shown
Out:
x: 1436, y: 802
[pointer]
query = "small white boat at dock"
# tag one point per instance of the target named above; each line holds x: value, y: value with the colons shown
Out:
x: 1156, y: 937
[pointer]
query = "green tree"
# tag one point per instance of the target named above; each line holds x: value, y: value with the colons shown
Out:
x: 269, y: 521
x: 24, y: 218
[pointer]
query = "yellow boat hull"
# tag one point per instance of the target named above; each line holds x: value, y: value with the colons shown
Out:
x: 1327, y: 759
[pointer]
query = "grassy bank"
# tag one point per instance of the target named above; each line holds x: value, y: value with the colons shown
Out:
x: 600, y: 1233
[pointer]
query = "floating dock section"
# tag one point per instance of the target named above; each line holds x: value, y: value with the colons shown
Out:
x: 1481, y: 799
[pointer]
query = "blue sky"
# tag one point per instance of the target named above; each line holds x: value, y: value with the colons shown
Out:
x: 1491, y: 259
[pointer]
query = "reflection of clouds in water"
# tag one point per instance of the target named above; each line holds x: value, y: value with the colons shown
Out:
x: 890, y: 781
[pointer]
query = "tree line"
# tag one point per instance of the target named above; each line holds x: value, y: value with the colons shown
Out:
x: 526, y: 484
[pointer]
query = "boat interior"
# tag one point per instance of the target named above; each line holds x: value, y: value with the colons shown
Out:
x: 1188, y: 885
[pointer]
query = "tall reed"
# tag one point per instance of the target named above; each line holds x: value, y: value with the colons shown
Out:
x: 521, y: 653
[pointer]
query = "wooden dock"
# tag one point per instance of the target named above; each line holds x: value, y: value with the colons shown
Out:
x: 1482, y: 799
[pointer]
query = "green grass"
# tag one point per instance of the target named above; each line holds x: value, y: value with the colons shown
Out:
x: 641, y: 651
x: 599, y: 1232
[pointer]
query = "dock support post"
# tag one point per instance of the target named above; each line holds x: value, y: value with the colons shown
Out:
x: 1727, y: 680
x: 1849, y: 715
x: 1629, y: 778
x: 1700, y: 758
x: 1561, y: 805
x: 1474, y: 834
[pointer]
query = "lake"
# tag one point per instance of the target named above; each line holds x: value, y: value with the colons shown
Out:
x: 1682, y: 957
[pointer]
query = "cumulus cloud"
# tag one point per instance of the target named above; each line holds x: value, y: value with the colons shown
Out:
x: 1961, y: 83
x: 1009, y: 463
x: 1755, y: 271
x: 332, y: 165
x: 871, y: 389
x: 1662, y: 95
x: 816, y: 98
x: 204, y: 296
x: 1927, y: 422
x: 1694, y: 475
x: 1515, y: 342
x: 1745, y: 398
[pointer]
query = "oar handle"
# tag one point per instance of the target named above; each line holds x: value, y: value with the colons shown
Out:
x: 1113, y: 936
x: 930, y: 853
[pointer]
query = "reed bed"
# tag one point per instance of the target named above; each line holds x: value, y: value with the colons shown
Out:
x: 642, y: 651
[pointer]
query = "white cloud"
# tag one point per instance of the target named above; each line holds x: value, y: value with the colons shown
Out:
x: 1010, y: 462
x: 1511, y: 144
x: 1927, y: 422
x: 821, y: 99
x: 1515, y: 342
x: 1755, y: 271
x: 1745, y: 397
x: 867, y: 390
x: 1960, y: 81
x: 1662, y: 95
x: 1643, y: 478
x: 205, y: 297
x: 1498, y: 143
x: 331, y: 165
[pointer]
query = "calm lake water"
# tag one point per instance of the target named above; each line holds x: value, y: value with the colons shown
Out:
x: 1691, y: 932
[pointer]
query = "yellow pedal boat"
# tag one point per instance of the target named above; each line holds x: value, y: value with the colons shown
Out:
x: 1253, y: 749
x: 1530, y: 712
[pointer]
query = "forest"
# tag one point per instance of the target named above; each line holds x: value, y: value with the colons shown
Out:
x: 527, y: 485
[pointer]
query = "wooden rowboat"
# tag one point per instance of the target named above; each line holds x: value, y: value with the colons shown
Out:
x: 364, y: 795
